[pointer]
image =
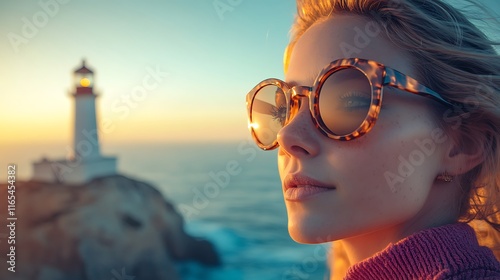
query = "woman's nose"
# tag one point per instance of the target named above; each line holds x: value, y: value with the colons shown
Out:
x: 299, y: 137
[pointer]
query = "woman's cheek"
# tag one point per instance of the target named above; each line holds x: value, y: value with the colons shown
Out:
x: 283, y: 161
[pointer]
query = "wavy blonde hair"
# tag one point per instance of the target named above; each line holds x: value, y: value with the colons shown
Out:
x: 462, y: 65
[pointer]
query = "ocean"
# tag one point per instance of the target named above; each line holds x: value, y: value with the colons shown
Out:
x: 228, y: 193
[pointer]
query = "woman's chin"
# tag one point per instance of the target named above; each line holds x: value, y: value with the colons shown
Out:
x: 309, y: 232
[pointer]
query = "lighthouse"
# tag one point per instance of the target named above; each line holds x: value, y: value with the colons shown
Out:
x: 85, y: 161
x: 85, y: 134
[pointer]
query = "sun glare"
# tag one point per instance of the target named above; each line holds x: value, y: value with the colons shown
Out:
x: 253, y: 125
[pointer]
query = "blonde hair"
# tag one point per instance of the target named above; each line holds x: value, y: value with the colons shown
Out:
x: 462, y: 65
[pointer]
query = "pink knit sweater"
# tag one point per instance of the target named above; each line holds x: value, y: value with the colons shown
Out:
x: 447, y: 252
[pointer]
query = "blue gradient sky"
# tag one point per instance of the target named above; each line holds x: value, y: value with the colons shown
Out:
x: 212, y: 59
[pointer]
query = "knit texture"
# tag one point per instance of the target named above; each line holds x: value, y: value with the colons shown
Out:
x: 447, y: 252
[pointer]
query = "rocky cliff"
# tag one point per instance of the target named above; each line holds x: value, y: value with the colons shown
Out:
x: 110, y: 228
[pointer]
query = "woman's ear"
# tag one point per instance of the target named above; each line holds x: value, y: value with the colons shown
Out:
x: 463, y: 155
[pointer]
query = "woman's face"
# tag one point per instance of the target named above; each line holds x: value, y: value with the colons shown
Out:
x: 380, y: 181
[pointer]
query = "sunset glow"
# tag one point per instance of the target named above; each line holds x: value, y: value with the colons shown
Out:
x: 171, y: 72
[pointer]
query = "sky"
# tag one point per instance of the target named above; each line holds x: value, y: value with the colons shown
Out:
x: 199, y: 58
x: 204, y: 56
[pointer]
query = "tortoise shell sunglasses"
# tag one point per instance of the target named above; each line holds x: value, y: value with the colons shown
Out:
x: 345, y: 100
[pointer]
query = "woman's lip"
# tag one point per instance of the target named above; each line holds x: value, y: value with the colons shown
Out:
x: 303, y: 192
x: 299, y: 187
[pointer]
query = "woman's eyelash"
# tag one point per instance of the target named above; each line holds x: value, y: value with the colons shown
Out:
x: 354, y: 94
x: 354, y: 100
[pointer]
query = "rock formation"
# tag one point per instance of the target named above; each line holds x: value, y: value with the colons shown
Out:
x: 110, y: 228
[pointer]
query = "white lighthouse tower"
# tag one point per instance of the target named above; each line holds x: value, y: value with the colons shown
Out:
x: 85, y: 136
x: 86, y: 161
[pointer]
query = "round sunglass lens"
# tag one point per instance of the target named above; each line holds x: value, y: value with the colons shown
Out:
x: 344, y: 101
x: 268, y: 114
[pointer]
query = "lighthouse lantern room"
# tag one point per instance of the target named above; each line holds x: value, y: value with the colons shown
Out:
x: 84, y: 79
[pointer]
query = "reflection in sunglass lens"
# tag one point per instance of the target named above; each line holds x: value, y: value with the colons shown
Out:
x: 344, y: 101
x: 268, y: 113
